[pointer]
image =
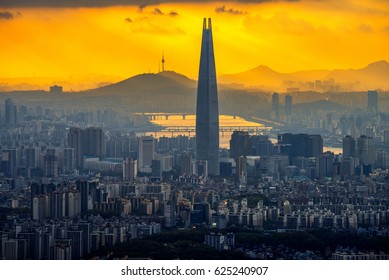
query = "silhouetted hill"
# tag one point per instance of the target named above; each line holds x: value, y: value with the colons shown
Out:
x: 170, y: 82
x: 258, y: 77
x: 179, y: 78
x: 166, y: 91
x: 373, y: 76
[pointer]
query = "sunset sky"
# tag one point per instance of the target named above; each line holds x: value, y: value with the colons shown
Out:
x: 123, y: 38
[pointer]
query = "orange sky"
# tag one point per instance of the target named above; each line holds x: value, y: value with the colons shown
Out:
x: 122, y: 41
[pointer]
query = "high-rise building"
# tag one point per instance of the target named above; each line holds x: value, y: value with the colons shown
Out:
x: 10, y: 113
x: 69, y: 162
x: 77, y: 242
x: 386, y: 136
x: 207, y: 109
x: 75, y: 142
x: 261, y: 145
x: 324, y: 165
x: 240, y: 144
x: 296, y: 145
x: 56, y: 89
x: 200, y: 168
x: 9, y: 162
x: 146, y: 151
x: 372, y: 101
x: 31, y: 155
x: 275, y: 106
x: 93, y: 142
x: 348, y: 146
x: 88, y: 194
x: 50, y: 163
x: 366, y: 150
x: 129, y: 169
x: 88, y: 142
x: 288, y: 105
x: 185, y: 161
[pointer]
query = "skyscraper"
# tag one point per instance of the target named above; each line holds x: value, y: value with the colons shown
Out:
x: 288, y: 105
x: 93, y: 142
x: 146, y: 151
x: 75, y: 142
x: 10, y: 113
x: 348, y: 147
x: 88, y: 142
x: 275, y: 105
x: 240, y: 144
x: 372, y: 101
x: 366, y: 150
x: 207, y: 110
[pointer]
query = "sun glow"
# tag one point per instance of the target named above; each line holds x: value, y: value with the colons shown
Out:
x: 122, y: 41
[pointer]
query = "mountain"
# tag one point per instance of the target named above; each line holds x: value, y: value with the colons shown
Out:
x: 166, y: 91
x: 258, y: 77
x: 373, y: 76
x: 147, y: 83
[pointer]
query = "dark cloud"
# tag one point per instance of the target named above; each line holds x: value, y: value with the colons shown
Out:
x: 173, y: 14
x: 106, y: 3
x: 149, y: 25
x: 128, y: 19
x: 141, y: 7
x: 230, y: 11
x: 158, y: 12
x: 6, y: 15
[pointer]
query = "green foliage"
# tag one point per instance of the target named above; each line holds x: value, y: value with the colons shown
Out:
x: 167, y: 246
x: 315, y: 240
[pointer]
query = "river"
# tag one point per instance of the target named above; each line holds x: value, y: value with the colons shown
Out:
x: 225, y: 121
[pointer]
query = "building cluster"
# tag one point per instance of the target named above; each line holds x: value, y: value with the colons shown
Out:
x: 220, y: 241
x: 70, y: 239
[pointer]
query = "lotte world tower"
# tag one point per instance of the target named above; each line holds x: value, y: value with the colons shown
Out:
x: 207, y: 109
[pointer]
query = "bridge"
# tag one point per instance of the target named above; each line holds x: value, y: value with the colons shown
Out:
x: 160, y: 116
x: 257, y: 130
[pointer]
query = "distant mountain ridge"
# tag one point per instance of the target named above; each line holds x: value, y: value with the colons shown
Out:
x: 373, y: 76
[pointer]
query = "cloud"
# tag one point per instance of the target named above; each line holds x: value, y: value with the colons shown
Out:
x: 107, y: 3
x: 365, y: 28
x: 141, y: 7
x: 280, y: 22
x: 6, y: 15
x: 158, y: 12
x: 128, y: 20
x: 230, y: 11
x: 148, y: 25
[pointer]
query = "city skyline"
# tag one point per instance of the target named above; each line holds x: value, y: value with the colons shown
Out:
x: 261, y: 164
x: 121, y: 41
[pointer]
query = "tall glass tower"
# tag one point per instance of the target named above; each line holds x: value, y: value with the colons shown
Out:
x: 207, y: 110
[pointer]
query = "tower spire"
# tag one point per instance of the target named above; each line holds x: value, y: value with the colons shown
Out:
x: 207, y: 108
x: 163, y: 62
